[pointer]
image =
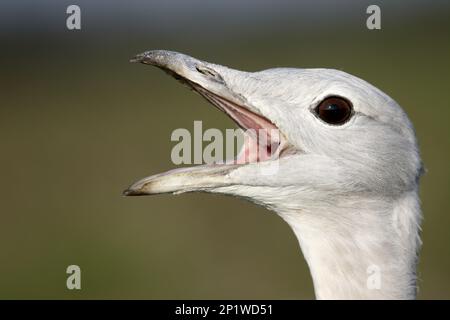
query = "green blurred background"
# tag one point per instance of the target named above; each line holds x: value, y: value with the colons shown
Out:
x: 78, y: 124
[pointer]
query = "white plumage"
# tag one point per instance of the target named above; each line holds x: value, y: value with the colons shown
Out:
x: 349, y: 191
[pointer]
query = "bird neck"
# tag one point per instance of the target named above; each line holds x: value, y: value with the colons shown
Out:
x: 362, y: 251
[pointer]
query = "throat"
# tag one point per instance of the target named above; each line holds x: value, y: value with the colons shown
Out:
x: 360, y: 255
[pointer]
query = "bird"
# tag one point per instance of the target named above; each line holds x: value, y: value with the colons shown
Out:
x: 346, y: 178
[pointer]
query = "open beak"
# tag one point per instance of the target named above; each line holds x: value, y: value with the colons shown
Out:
x: 217, y: 84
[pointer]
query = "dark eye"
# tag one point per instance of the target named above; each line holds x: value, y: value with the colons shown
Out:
x: 334, y: 110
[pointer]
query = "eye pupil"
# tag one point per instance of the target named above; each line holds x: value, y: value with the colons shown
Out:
x: 334, y: 110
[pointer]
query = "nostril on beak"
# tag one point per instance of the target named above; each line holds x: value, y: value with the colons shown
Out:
x: 208, y: 72
x: 205, y: 71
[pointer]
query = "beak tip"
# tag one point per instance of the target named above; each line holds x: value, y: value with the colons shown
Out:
x: 147, y: 57
x: 137, y: 58
x: 132, y: 192
x: 158, y: 58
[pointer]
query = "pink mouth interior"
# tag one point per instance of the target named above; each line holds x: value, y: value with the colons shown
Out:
x: 262, y: 139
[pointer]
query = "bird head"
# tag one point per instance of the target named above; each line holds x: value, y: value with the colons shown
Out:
x: 338, y: 136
